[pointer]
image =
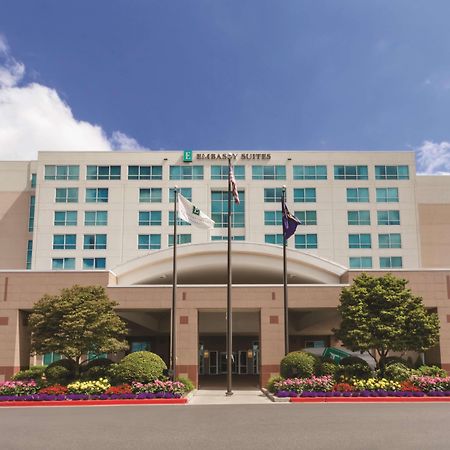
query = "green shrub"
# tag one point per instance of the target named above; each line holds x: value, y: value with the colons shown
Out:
x: 60, y: 372
x: 396, y: 359
x: 430, y: 371
x: 397, y: 371
x: 33, y: 373
x: 189, y: 385
x: 327, y: 368
x: 272, y: 381
x: 353, y: 368
x: 350, y: 360
x: 139, y: 366
x: 297, y: 364
x: 96, y: 369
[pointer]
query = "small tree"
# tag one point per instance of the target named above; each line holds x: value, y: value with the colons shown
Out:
x: 79, y: 320
x: 380, y: 315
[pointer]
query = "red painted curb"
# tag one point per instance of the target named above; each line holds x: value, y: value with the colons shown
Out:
x: 369, y: 399
x: 153, y: 401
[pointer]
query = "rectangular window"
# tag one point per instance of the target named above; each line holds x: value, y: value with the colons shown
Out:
x: 221, y: 172
x: 186, y: 192
x: 390, y: 240
x: 225, y: 238
x: 62, y: 172
x: 149, y: 241
x: 276, y: 239
x: 96, y: 218
x: 186, y: 172
x: 387, y: 195
x: 358, y: 217
x: 361, y: 240
x: 360, y: 262
x: 272, y: 195
x: 307, y: 217
x: 50, y: 357
x: 181, y: 239
x: 31, y: 213
x: 29, y: 254
x: 219, y: 210
x: 272, y: 217
x: 149, y: 218
x: 391, y: 262
x: 150, y: 195
x: 145, y: 172
x: 305, y: 195
x: 306, y: 241
x: 66, y: 195
x: 268, y: 172
x: 358, y: 195
x: 96, y: 195
x: 64, y: 241
x: 94, y: 263
x: 350, y: 173
x: 33, y: 181
x: 391, y: 172
x: 94, y: 242
x: 310, y: 172
x: 388, y: 217
x: 63, y: 264
x: 103, y: 173
x: 179, y: 221
x: 65, y: 218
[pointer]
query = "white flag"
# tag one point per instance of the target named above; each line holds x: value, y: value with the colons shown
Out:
x: 190, y: 213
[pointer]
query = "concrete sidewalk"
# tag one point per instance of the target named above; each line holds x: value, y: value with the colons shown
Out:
x: 218, y: 397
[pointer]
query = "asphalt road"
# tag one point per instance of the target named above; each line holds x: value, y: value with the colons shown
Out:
x: 271, y: 426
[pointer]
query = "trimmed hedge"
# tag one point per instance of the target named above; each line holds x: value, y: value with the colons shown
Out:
x: 297, y: 365
x: 96, y: 369
x: 33, y: 373
x: 138, y: 366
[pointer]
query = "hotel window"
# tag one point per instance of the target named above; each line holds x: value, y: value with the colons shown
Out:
x: 145, y: 172
x: 63, y: 264
x: 306, y: 241
x: 29, y: 254
x: 276, y: 239
x: 64, y: 241
x: 149, y: 218
x: 94, y: 263
x: 96, y: 218
x: 225, y: 238
x: 94, y: 242
x: 273, y: 195
x: 388, y: 217
x: 31, y: 213
x: 358, y: 217
x: 361, y: 240
x: 50, y: 357
x: 66, y: 195
x: 179, y: 221
x: 358, y: 195
x: 65, y: 218
x: 96, y: 195
x: 360, y: 262
x: 221, y: 172
x: 391, y: 172
x: 305, y: 195
x: 150, y: 195
x: 307, y: 217
x: 62, y: 172
x: 149, y: 241
x: 391, y: 262
x: 268, y: 172
x: 103, y: 173
x: 186, y: 192
x: 219, y: 210
x: 181, y: 239
x: 186, y: 172
x: 390, y: 240
x: 387, y: 195
x: 351, y: 173
x: 33, y: 180
x: 272, y: 217
x: 310, y: 172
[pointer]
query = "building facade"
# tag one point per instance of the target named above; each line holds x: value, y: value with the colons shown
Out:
x: 107, y: 218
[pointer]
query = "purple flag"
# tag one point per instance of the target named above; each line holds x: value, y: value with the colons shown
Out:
x: 290, y: 222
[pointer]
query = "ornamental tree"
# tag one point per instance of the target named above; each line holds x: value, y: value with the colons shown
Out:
x: 79, y: 320
x: 380, y: 315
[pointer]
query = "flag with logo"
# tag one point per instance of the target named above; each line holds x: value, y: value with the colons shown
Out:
x: 290, y: 222
x: 234, y: 190
x: 190, y: 213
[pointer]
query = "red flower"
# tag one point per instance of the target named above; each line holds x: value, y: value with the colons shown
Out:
x: 56, y: 389
x: 122, y: 389
x: 343, y: 387
x: 408, y: 386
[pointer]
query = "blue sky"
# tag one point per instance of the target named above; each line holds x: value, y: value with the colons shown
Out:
x: 226, y: 74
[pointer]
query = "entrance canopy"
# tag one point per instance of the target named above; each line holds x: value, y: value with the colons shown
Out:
x: 207, y: 264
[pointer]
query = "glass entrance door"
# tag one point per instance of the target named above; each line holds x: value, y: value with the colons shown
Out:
x: 223, y: 362
x: 242, y: 362
x: 213, y: 362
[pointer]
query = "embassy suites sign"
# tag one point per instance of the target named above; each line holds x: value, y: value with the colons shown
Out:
x: 235, y: 156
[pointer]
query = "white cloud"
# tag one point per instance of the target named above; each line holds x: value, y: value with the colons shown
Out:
x: 433, y: 158
x: 33, y: 117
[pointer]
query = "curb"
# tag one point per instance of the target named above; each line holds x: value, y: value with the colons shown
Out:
x: 273, y: 398
x: 369, y: 400
x: 153, y: 401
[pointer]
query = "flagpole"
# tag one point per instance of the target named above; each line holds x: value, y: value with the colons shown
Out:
x: 285, y: 291
x: 229, y: 307
x: 173, y: 349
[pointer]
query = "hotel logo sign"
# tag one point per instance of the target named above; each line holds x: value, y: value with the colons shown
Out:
x: 234, y: 156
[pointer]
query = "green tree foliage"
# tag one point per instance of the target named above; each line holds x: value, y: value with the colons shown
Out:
x: 380, y: 315
x: 79, y: 320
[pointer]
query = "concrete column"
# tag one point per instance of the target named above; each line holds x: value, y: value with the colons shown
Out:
x: 187, y: 343
x: 9, y: 343
x: 444, y: 341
